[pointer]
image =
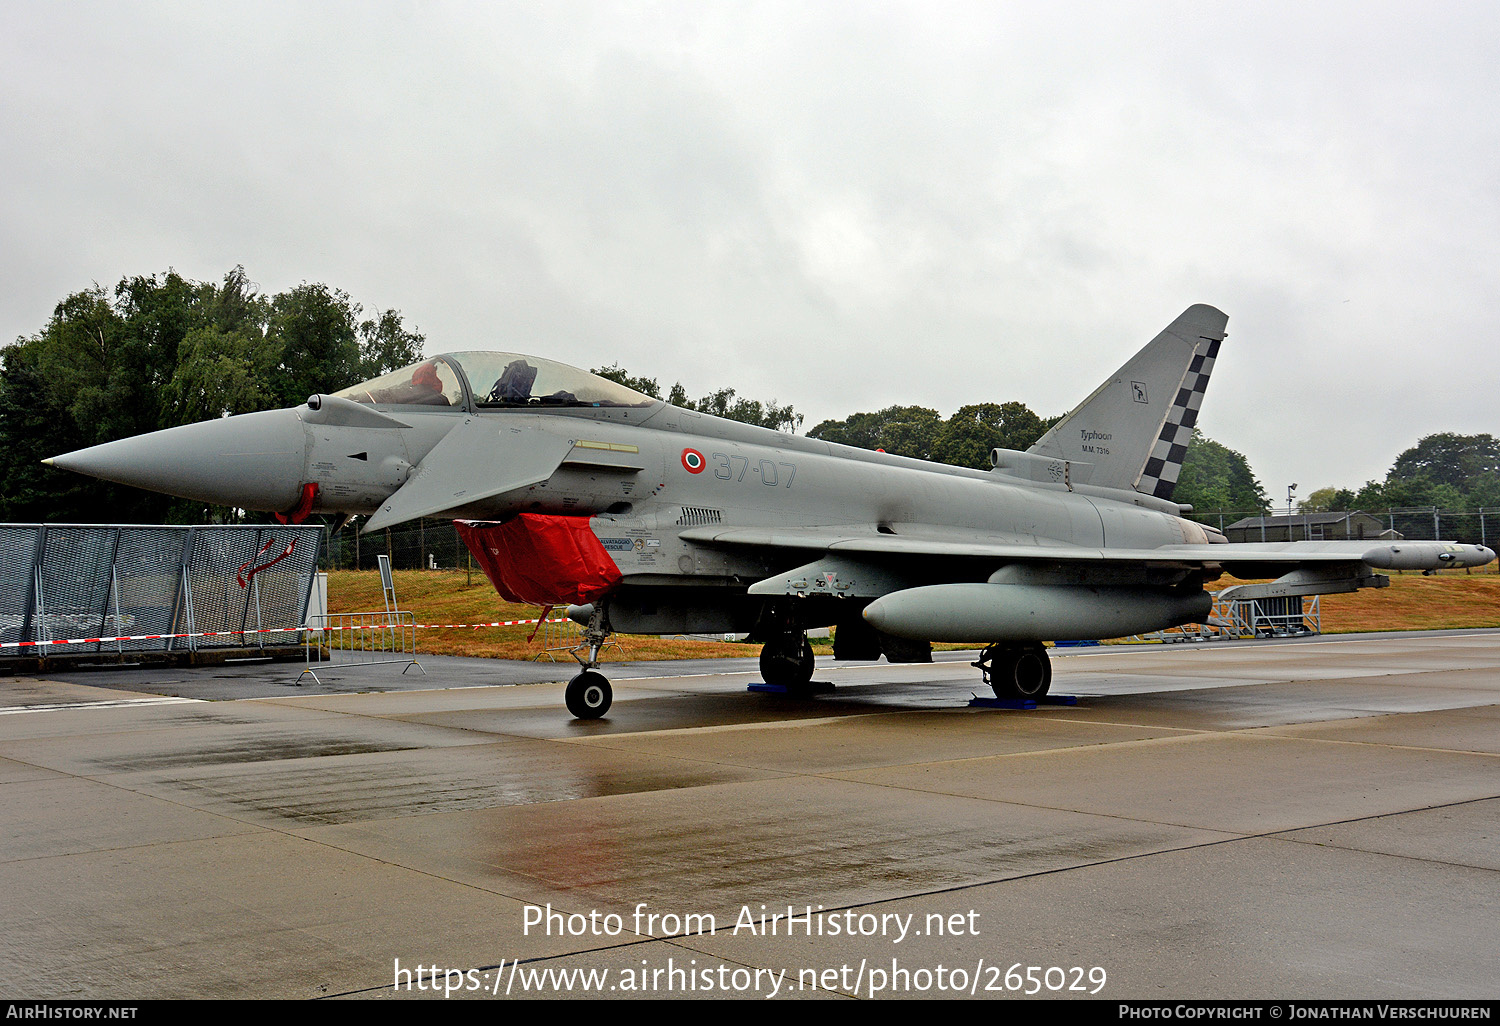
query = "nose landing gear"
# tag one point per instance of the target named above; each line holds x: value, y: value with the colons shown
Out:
x: 589, y: 695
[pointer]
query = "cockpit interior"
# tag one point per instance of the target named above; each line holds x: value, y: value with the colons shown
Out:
x: 489, y: 380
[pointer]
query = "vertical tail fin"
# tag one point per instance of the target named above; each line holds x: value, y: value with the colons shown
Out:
x: 1135, y: 427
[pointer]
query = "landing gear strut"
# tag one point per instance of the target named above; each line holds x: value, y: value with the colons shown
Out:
x: 589, y: 694
x: 1016, y: 671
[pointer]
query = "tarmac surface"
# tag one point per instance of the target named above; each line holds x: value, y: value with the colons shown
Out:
x: 1308, y: 819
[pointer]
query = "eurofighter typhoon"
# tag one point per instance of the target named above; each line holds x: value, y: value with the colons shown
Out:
x: 644, y: 518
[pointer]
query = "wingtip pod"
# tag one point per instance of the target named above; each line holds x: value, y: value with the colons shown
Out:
x: 1434, y: 555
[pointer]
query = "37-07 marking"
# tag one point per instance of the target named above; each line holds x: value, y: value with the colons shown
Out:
x: 770, y: 475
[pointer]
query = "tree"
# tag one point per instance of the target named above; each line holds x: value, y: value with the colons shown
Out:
x: 222, y: 373
x: 971, y: 433
x: 963, y: 440
x: 645, y: 386
x: 33, y: 426
x: 1214, y: 477
x: 316, y: 330
x: 79, y: 362
x: 725, y: 403
x: 386, y: 345
x: 225, y: 362
x: 1411, y: 492
x: 236, y: 305
x: 1484, y: 493
x: 1448, y: 459
x: 159, y: 351
x: 903, y: 430
x: 1328, y: 499
x: 158, y: 315
x: 1452, y: 472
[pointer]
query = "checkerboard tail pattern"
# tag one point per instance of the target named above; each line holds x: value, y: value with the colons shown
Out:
x: 1159, y: 475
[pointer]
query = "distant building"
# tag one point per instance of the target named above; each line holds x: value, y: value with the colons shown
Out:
x: 1311, y: 527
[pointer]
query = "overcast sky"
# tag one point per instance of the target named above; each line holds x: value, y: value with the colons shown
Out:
x: 837, y: 205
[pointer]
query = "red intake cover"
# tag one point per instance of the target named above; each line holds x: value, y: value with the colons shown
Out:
x: 541, y: 560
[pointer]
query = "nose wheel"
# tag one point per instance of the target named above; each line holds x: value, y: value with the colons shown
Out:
x: 589, y: 695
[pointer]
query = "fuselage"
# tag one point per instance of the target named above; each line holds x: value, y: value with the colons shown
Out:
x: 643, y: 470
x: 643, y: 465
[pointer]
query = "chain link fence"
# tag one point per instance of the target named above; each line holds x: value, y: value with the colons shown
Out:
x: 426, y: 544
x: 1422, y: 523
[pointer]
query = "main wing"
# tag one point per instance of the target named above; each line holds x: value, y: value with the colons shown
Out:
x: 937, y: 584
x: 1260, y: 558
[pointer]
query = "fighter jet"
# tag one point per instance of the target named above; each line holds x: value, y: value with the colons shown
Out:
x: 571, y: 489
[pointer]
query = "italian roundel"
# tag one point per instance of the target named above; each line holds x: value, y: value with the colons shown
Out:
x: 692, y: 461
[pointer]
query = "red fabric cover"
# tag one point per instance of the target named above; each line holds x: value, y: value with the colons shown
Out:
x: 541, y: 560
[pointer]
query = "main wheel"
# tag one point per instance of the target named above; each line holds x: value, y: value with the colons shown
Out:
x: 1021, y: 672
x: 589, y: 695
x: 787, y: 662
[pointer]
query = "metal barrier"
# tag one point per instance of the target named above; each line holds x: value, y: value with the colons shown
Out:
x: 364, y: 639
x: 557, y: 637
x: 1279, y: 617
x: 246, y: 585
x: 354, y: 640
x: 566, y: 636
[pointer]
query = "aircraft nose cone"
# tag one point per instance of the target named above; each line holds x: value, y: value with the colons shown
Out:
x: 254, y: 461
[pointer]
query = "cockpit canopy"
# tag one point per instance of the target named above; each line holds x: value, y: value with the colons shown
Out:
x: 485, y: 380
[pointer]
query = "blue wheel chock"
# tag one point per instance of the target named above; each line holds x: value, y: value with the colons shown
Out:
x: 812, y: 688
x: 1021, y: 703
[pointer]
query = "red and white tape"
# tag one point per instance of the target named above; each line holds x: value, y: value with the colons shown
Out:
x: 276, y: 630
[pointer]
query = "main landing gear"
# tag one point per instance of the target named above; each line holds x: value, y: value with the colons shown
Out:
x: 787, y: 661
x: 1016, y: 671
x: 589, y: 694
